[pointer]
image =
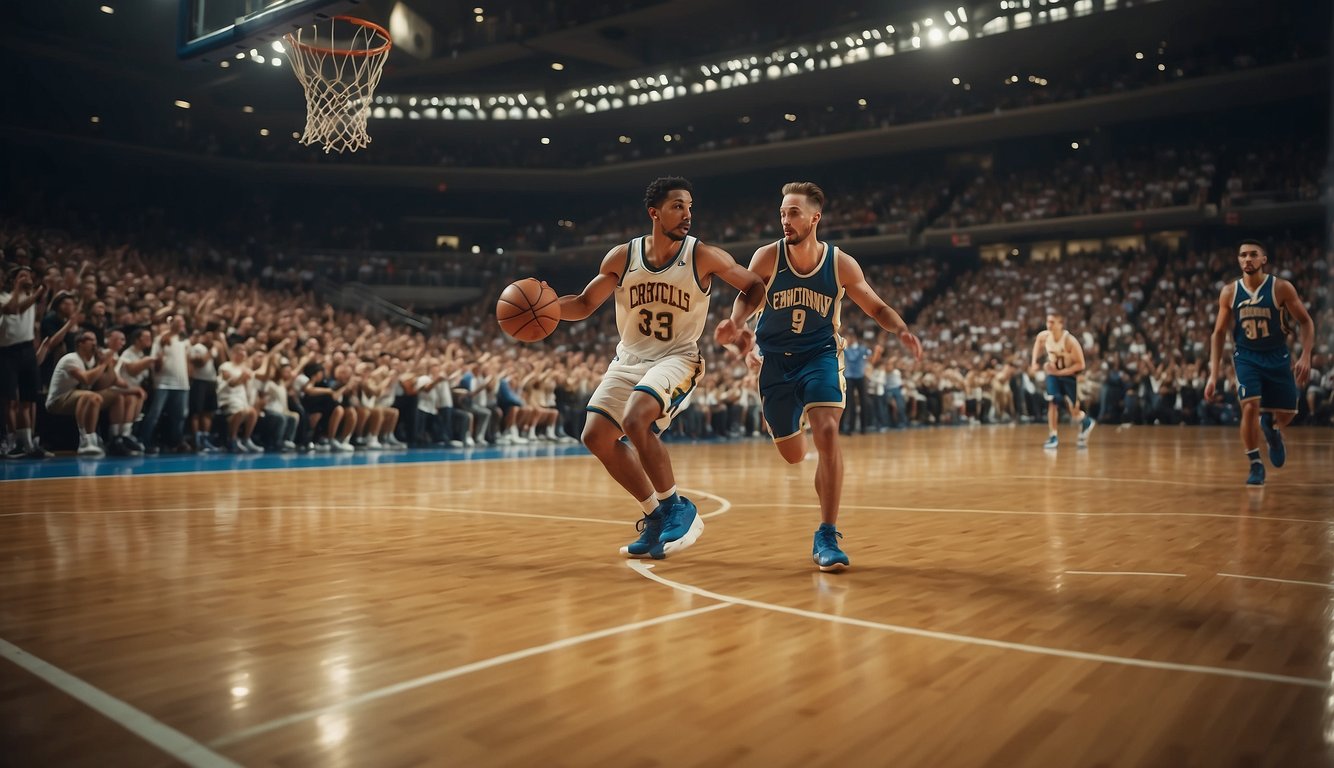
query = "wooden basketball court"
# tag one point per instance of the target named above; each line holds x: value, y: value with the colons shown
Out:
x: 1129, y: 605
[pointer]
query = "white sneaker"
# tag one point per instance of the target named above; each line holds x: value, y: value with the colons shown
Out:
x: 373, y: 444
x: 341, y: 446
x: 88, y: 448
x: 469, y: 442
x: 251, y: 446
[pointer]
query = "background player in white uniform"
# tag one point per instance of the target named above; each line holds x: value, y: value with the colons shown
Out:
x: 661, y: 284
x: 1065, y: 359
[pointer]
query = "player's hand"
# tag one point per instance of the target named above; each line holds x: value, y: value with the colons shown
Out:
x: 914, y: 344
x: 1301, y: 370
x: 1209, y: 390
x: 1050, y: 368
x: 753, y: 360
x: 726, y: 332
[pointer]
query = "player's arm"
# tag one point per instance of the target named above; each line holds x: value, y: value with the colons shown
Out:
x: 1216, y: 340
x: 580, y: 306
x: 1037, y: 349
x: 1285, y: 295
x: 712, y: 261
x: 861, y: 293
x: 732, y: 330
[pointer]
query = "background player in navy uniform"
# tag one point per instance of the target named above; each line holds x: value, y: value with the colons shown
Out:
x: 1065, y: 360
x: 1267, y: 380
x: 801, y: 377
x: 661, y: 285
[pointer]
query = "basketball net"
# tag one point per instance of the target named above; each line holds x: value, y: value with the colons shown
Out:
x: 339, y: 75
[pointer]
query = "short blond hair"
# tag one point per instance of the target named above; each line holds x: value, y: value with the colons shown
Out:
x: 810, y: 189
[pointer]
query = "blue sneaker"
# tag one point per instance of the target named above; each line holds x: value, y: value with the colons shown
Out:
x: 650, y: 528
x: 1051, y: 443
x: 1085, y: 427
x: 1277, y: 452
x: 1257, y: 476
x: 825, y: 553
x: 681, y: 526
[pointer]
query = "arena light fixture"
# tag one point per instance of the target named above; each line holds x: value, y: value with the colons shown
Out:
x: 183, y: 104
x: 556, y: 65
x: 108, y: 10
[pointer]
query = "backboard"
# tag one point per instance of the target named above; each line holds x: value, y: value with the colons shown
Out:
x: 212, y: 30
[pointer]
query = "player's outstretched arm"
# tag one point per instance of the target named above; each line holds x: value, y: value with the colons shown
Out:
x: 580, y: 306
x: 762, y: 267
x: 1216, y: 340
x: 713, y: 261
x: 864, y: 296
x: 1285, y: 295
x: 1037, y: 350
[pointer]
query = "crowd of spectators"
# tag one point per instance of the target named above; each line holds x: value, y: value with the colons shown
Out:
x: 141, y: 351
x: 1162, y: 178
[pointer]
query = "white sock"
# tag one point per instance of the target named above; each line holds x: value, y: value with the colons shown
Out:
x: 667, y: 494
x: 25, y: 437
x: 649, y: 504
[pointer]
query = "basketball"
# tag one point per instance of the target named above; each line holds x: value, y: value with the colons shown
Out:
x: 527, y: 310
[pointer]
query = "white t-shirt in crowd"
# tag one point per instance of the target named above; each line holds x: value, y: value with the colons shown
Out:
x: 62, y: 381
x: 16, y: 329
x: 232, y: 397
x: 132, y: 355
x: 207, y: 371
x: 425, y: 400
x: 276, y: 394
x: 175, y: 373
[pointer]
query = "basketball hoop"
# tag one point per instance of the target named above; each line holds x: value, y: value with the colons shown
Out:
x: 338, y: 61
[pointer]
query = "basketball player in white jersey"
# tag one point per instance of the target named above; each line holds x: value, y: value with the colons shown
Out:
x: 661, y: 283
x: 1065, y: 359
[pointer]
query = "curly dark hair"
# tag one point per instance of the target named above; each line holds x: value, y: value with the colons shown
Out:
x: 657, y: 191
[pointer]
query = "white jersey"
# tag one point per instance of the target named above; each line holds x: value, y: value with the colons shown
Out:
x: 1057, y: 349
x: 660, y: 312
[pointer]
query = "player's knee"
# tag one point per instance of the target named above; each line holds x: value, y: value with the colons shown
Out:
x: 792, y: 452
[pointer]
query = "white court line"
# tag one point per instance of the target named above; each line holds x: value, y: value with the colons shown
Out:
x: 1150, y: 481
x: 644, y: 570
x: 1040, y: 513
x: 724, y: 504
x: 1126, y: 573
x: 1280, y: 581
x: 448, y: 674
x: 160, y: 735
x: 922, y: 480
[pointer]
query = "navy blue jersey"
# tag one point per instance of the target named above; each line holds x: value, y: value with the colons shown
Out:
x: 1258, y: 323
x: 801, y: 311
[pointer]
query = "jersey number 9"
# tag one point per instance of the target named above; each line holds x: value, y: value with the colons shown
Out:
x: 798, y: 320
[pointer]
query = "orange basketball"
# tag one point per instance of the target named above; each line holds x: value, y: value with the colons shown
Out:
x: 527, y: 310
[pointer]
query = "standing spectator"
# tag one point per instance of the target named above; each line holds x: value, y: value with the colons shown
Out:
x: 171, y: 389
x: 20, y: 383
x: 856, y: 355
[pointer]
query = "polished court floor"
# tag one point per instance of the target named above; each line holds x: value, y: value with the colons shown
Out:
x: 1133, y: 604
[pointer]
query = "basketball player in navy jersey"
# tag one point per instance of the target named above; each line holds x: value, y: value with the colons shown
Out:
x: 801, y: 376
x: 661, y: 283
x: 1267, y: 380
